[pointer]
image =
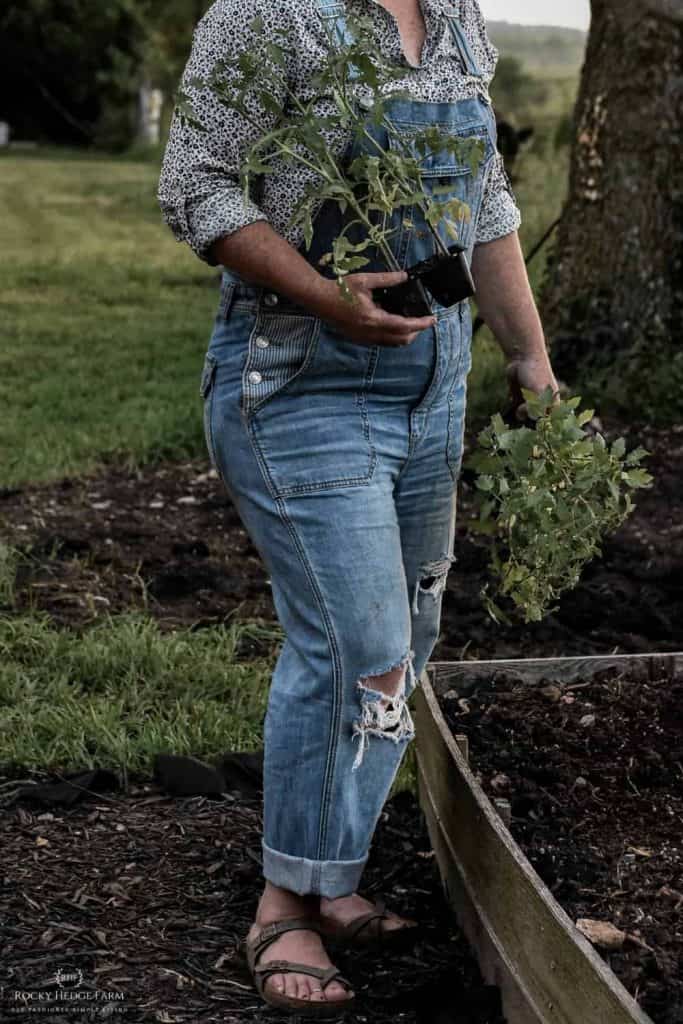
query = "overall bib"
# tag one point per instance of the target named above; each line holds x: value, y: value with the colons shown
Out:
x: 342, y: 461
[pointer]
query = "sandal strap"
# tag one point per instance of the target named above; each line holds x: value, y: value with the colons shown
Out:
x: 324, y: 975
x: 271, y: 932
x: 352, y: 930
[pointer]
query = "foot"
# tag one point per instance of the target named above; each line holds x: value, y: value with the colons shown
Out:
x: 301, y: 946
x: 336, y: 914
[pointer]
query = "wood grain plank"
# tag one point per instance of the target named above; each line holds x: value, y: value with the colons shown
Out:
x: 547, y: 971
x: 464, y: 675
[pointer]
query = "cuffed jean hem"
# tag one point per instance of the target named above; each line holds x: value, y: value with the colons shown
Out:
x: 328, y: 878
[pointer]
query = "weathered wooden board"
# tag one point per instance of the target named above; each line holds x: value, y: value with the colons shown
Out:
x: 463, y: 675
x: 526, y: 944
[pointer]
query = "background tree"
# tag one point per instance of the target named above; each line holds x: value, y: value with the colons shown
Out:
x: 614, y: 291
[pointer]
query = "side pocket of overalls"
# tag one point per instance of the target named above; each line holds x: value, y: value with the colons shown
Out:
x: 206, y: 393
x: 210, y: 367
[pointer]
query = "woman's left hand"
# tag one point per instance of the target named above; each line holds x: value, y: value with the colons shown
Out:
x: 534, y: 373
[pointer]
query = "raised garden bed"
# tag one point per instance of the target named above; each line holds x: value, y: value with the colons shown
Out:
x: 583, y: 758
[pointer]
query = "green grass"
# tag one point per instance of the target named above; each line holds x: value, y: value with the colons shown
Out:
x: 104, y: 324
x: 104, y: 320
x: 123, y: 691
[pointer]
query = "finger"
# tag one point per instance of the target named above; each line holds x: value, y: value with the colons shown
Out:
x: 395, y: 324
x: 396, y: 340
x: 383, y: 280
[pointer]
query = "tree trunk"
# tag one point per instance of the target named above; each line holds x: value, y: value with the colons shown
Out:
x: 613, y: 297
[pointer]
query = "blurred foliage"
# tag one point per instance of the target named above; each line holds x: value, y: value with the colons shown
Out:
x: 70, y: 70
x: 547, y: 49
x: 515, y: 92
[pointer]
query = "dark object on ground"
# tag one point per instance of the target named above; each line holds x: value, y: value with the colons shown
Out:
x: 238, y: 773
x: 594, y: 778
x: 242, y: 773
x: 71, y: 788
x: 156, y: 895
x: 187, y: 776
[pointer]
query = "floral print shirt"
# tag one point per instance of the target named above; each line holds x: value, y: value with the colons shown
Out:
x: 199, y: 190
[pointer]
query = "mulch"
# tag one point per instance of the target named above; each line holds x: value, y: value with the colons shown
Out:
x: 167, y: 539
x: 142, y: 899
x: 593, y: 771
x: 185, y: 875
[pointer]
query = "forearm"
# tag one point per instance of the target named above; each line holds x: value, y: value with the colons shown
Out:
x: 505, y: 300
x: 263, y: 257
x: 259, y: 255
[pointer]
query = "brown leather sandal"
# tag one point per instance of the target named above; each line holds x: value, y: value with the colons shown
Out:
x: 302, y: 1007
x: 367, y: 931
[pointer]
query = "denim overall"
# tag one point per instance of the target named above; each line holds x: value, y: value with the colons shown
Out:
x: 342, y: 461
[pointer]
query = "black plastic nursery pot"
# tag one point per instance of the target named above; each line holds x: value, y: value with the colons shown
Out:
x: 446, y: 278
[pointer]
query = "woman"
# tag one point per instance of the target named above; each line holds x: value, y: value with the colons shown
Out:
x: 337, y: 429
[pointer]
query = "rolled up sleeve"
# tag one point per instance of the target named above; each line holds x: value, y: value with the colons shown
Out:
x: 499, y: 214
x: 200, y: 192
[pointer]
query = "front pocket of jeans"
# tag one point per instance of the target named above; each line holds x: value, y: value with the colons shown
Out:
x: 311, y: 429
x: 206, y: 392
x: 280, y: 348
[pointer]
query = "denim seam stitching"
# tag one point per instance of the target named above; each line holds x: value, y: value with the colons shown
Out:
x: 451, y: 391
x: 361, y: 401
x: 226, y: 300
x: 335, y: 729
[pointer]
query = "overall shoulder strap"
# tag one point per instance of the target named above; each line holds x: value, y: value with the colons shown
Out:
x: 452, y: 16
x: 333, y: 14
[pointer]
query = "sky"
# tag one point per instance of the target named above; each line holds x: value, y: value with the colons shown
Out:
x: 573, y: 13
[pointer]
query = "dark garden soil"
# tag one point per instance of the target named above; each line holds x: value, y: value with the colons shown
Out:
x: 594, y: 774
x: 149, y: 896
x: 168, y: 538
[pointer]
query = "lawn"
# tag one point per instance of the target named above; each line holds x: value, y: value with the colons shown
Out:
x: 105, y: 319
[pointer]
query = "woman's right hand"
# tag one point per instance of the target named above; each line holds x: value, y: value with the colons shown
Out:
x: 363, y: 321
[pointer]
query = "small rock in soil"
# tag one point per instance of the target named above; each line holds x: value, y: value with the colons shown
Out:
x: 601, y: 933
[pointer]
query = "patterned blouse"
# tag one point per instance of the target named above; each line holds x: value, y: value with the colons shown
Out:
x: 199, y: 190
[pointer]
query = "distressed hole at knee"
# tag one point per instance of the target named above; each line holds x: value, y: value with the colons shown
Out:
x: 432, y: 580
x: 383, y: 707
x: 391, y: 683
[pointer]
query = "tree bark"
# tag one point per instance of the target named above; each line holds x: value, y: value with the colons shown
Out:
x: 613, y: 294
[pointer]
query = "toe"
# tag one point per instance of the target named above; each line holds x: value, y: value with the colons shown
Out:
x: 275, y: 984
x: 395, y: 923
x: 336, y: 992
x: 303, y: 987
x: 291, y: 986
x: 317, y: 994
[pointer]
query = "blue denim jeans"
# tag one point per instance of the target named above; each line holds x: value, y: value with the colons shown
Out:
x: 342, y: 460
